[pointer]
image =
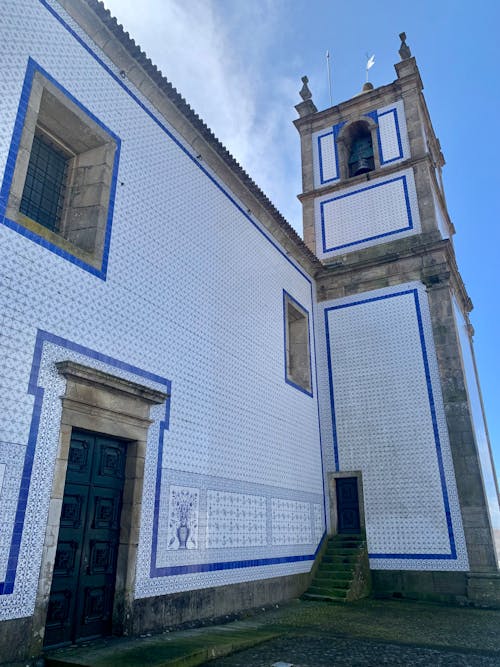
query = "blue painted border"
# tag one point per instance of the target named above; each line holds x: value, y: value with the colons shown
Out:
x: 289, y: 297
x: 452, y: 555
x: 121, y: 83
x: 335, y: 133
x: 7, y: 586
x: 322, y: 180
x: 32, y: 68
x: 34, y: 389
x: 376, y: 236
x: 394, y: 111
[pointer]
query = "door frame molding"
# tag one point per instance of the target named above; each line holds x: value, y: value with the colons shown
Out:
x: 332, y: 491
x: 104, y: 404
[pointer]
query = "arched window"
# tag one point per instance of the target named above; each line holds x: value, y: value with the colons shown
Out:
x: 360, y: 149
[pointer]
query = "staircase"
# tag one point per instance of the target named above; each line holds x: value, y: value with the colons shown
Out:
x: 343, y: 573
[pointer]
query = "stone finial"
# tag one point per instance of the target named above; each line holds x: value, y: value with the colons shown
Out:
x: 307, y: 106
x: 305, y: 93
x: 404, y: 49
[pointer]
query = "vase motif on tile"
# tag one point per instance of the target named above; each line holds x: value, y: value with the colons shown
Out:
x: 183, y: 518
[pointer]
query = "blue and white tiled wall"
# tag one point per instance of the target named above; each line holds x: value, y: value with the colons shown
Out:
x: 392, y: 137
x: 359, y: 216
x: 382, y: 413
x: 192, y: 301
x: 478, y: 421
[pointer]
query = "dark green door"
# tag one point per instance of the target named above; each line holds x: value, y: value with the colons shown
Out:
x: 347, y: 505
x: 81, y: 597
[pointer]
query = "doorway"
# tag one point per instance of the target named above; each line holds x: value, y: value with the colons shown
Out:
x: 83, y: 584
x: 348, y: 515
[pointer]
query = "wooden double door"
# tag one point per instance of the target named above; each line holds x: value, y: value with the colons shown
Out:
x: 81, y: 597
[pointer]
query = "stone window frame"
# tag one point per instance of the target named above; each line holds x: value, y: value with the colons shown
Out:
x: 297, y: 343
x: 93, y: 151
x: 344, y: 142
x: 105, y: 404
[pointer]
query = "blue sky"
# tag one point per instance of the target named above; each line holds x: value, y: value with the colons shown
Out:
x: 238, y: 64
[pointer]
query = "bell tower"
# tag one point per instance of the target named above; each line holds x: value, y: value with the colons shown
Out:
x: 399, y: 398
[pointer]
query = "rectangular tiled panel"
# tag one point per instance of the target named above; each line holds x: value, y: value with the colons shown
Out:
x: 362, y: 215
x: 382, y: 413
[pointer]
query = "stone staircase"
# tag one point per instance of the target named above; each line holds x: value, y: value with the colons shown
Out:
x: 343, y: 573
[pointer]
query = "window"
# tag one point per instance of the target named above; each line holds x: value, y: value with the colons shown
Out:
x: 45, y: 185
x: 297, y: 350
x: 63, y: 182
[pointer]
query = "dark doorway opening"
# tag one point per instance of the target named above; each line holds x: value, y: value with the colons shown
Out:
x: 83, y: 584
x: 347, y: 505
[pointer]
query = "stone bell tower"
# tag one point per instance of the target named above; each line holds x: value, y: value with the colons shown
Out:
x: 400, y: 404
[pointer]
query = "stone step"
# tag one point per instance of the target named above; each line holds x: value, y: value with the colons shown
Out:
x: 331, y: 571
x: 322, y: 598
x: 343, y: 581
x: 325, y: 590
x: 331, y: 583
x: 340, y: 550
x: 339, y: 558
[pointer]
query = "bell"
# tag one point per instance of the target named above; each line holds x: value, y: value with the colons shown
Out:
x: 361, y: 166
x: 361, y: 158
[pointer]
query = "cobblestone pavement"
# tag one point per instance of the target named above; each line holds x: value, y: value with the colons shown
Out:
x: 374, y: 632
x: 342, y: 652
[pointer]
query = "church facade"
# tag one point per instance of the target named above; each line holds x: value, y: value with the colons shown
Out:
x: 193, y: 397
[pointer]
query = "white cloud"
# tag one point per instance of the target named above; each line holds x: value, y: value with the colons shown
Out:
x: 219, y: 55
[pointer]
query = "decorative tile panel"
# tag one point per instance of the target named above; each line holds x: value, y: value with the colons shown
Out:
x: 392, y: 133
x: 291, y: 522
x: 183, y: 518
x: 360, y: 216
x: 326, y: 168
x: 198, y: 304
x: 382, y: 413
x: 235, y: 520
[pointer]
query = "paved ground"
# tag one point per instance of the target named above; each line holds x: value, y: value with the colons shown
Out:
x: 313, y: 634
x: 371, y: 633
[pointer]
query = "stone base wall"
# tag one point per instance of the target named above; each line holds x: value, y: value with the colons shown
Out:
x: 448, y: 587
x: 157, y: 614
x: 168, y: 611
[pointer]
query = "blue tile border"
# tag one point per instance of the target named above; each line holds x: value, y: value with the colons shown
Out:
x: 409, y: 226
x: 32, y: 68
x: 121, y: 83
x: 452, y: 555
x: 335, y: 133
x: 7, y: 586
x: 288, y: 297
x: 394, y: 111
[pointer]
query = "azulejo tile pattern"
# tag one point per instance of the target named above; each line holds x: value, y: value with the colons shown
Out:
x: 392, y: 138
x: 480, y: 432
x: 179, y: 302
x: 183, y: 518
x: 360, y: 216
x: 382, y: 413
x: 392, y: 134
x: 291, y: 522
x: 235, y: 520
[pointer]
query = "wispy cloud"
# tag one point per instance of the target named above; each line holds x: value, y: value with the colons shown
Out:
x: 224, y: 69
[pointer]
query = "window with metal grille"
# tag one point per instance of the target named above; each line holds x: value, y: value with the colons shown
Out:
x: 43, y: 194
